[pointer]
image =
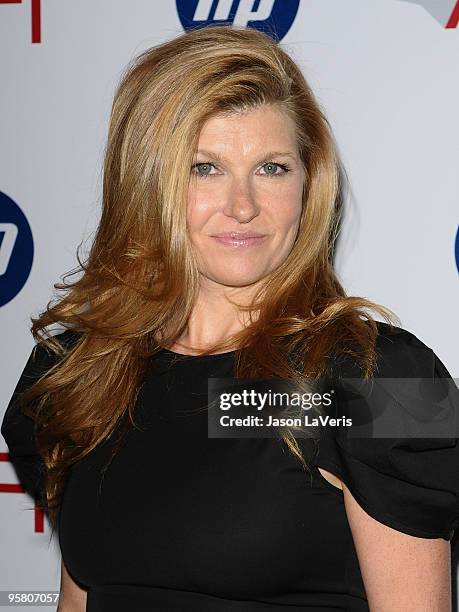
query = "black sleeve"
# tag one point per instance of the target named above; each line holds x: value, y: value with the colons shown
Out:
x: 409, y: 484
x: 18, y: 429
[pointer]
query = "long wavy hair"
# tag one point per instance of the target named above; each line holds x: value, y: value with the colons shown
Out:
x: 136, y: 289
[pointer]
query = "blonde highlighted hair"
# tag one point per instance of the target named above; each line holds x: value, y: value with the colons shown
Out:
x: 139, y: 283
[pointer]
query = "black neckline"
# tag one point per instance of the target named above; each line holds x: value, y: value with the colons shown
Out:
x: 166, y: 351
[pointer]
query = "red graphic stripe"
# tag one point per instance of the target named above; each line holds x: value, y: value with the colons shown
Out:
x: 39, y: 515
x: 39, y: 520
x: 36, y: 21
x: 454, y: 18
x: 11, y: 488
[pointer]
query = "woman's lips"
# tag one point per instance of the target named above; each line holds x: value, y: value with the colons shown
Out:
x: 240, y: 241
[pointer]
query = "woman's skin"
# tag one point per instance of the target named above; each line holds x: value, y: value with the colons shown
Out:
x: 240, y: 192
x: 400, y: 572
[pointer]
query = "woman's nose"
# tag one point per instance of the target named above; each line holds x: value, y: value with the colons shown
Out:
x: 241, y: 202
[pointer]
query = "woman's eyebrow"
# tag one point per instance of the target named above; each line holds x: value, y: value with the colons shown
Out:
x: 265, y: 157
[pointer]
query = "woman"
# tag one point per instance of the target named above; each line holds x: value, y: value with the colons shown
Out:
x: 212, y: 259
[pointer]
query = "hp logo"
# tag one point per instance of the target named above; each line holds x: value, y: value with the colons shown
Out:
x: 16, y: 249
x: 274, y: 17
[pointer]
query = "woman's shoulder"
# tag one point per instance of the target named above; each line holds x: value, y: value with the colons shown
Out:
x: 399, y: 354
x: 408, y: 483
x: 392, y: 336
x: 42, y: 357
x: 67, y: 338
x: 17, y: 428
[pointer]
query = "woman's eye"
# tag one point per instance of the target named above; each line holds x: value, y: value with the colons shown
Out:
x: 272, y: 166
x: 203, y: 168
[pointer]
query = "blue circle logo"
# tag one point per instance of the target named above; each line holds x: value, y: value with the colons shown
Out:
x: 274, y: 17
x: 16, y: 249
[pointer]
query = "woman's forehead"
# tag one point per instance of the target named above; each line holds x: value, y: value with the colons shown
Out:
x: 264, y: 128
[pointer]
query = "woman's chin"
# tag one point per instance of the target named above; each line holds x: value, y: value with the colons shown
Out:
x: 236, y: 279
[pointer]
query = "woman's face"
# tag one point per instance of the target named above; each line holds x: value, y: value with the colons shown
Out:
x: 246, y: 178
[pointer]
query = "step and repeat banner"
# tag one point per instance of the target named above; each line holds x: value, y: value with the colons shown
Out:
x: 384, y: 71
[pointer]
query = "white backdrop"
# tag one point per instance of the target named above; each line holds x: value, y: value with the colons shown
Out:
x: 386, y: 74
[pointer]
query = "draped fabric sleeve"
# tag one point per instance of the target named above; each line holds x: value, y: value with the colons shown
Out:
x: 18, y: 430
x: 409, y: 484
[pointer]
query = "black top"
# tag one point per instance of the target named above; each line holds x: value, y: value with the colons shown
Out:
x: 181, y: 521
